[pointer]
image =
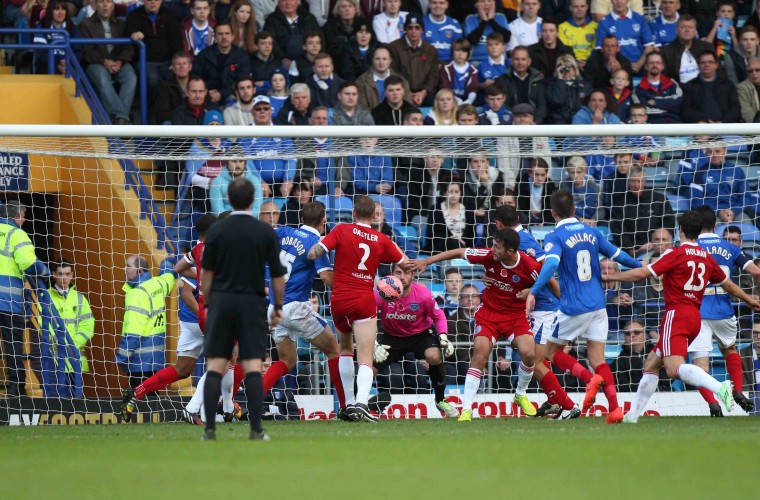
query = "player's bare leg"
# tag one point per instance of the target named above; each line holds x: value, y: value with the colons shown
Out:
x: 481, y: 352
x: 595, y: 350
x: 734, y: 368
x: 437, y: 374
x: 365, y: 334
x: 526, y: 346
x: 557, y: 398
x: 702, y: 360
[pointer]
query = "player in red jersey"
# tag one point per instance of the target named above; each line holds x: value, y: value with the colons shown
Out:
x: 685, y: 271
x: 359, y: 251
x: 501, y: 314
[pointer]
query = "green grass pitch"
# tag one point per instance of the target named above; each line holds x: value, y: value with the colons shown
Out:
x: 509, y: 458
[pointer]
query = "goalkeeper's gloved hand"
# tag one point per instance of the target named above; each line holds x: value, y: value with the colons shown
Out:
x: 446, y: 345
x: 381, y: 353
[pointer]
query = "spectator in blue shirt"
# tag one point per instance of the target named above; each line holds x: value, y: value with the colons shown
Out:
x: 441, y: 30
x: 495, y: 111
x: 663, y: 27
x: 478, y: 26
x: 721, y: 185
x: 372, y: 171
x: 495, y: 64
x: 631, y: 30
x: 584, y: 190
x: 597, y: 110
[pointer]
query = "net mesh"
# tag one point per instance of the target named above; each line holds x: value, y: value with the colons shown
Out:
x: 94, y: 201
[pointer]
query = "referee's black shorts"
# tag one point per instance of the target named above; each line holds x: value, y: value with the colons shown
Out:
x: 399, y: 346
x: 235, y: 316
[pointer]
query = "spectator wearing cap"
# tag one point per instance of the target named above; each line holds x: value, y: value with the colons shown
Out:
x: 302, y: 66
x: 372, y: 82
x: 348, y: 111
x: 355, y: 56
x: 275, y: 172
x: 263, y: 62
x: 511, y: 166
x: 297, y: 107
x: 523, y: 84
x: 324, y: 83
x: 342, y: 26
x: 389, y: 25
x: 391, y: 110
x: 417, y: 61
x: 236, y: 168
x: 479, y: 25
x: 441, y: 30
x: 221, y: 64
x: 289, y: 22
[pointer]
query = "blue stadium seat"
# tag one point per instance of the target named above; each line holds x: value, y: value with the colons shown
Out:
x: 339, y: 208
x: 657, y: 177
x: 605, y: 231
x: 393, y: 208
x: 678, y: 203
x: 540, y: 232
x: 468, y: 271
x: 406, y: 237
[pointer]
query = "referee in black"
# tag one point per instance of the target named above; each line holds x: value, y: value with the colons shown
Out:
x: 232, y: 279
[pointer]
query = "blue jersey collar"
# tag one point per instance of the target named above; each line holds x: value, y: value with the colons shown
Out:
x: 310, y: 229
x: 569, y: 220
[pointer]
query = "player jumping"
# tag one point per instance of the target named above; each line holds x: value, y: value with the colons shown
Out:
x: 299, y: 318
x: 501, y: 313
x: 415, y: 323
x: 543, y: 323
x: 574, y: 248
x: 686, y: 272
x: 359, y: 250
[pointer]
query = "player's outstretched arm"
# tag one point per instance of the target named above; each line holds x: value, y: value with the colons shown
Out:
x: 733, y: 289
x: 754, y: 270
x: 637, y: 274
x: 422, y: 264
x: 184, y: 268
x: 316, y: 251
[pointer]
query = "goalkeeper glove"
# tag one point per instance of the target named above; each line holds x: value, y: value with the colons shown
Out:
x: 381, y: 353
x: 446, y: 345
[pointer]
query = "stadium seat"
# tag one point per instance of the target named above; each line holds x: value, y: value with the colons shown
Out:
x: 393, y: 208
x: 605, y: 231
x: 339, y: 208
x: 657, y: 177
x: 468, y: 271
x: 750, y: 233
x: 678, y: 203
x: 406, y: 237
x: 540, y: 232
x: 419, y: 223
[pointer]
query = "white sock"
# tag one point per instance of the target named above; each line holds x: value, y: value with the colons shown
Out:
x: 195, y: 404
x: 363, y: 384
x: 647, y: 386
x: 471, y: 386
x: 697, y: 377
x: 524, y: 374
x: 346, y: 367
x: 227, y: 381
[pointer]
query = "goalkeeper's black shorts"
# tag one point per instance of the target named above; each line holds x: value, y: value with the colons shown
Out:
x: 399, y: 346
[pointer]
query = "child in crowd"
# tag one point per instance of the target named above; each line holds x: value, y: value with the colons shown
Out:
x: 198, y: 30
x: 389, y: 24
x: 584, y: 190
x: 620, y: 93
x: 263, y: 62
x: 280, y: 91
x: 301, y: 67
x: 496, y: 63
x: 723, y: 32
x: 459, y: 75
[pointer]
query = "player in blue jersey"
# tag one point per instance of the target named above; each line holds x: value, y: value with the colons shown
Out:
x: 441, y: 30
x: 543, y: 322
x: 718, y: 320
x: 573, y: 249
x: 299, y: 317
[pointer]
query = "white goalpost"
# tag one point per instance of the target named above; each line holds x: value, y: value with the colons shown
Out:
x: 96, y: 195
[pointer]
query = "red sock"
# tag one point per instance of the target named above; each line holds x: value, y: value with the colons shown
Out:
x: 734, y: 368
x: 158, y: 381
x: 237, y: 379
x: 569, y: 364
x: 333, y: 365
x: 707, y: 395
x: 556, y: 394
x: 610, y: 391
x: 273, y: 374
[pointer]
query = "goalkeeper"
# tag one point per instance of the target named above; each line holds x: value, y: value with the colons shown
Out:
x: 410, y: 325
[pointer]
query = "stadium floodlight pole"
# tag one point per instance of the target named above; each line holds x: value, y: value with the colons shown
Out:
x: 169, y: 131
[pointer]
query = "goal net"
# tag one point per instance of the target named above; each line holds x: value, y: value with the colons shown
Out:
x: 93, y: 199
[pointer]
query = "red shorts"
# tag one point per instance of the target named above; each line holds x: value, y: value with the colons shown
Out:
x: 202, y: 313
x: 679, y: 328
x: 493, y: 329
x: 346, y: 312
